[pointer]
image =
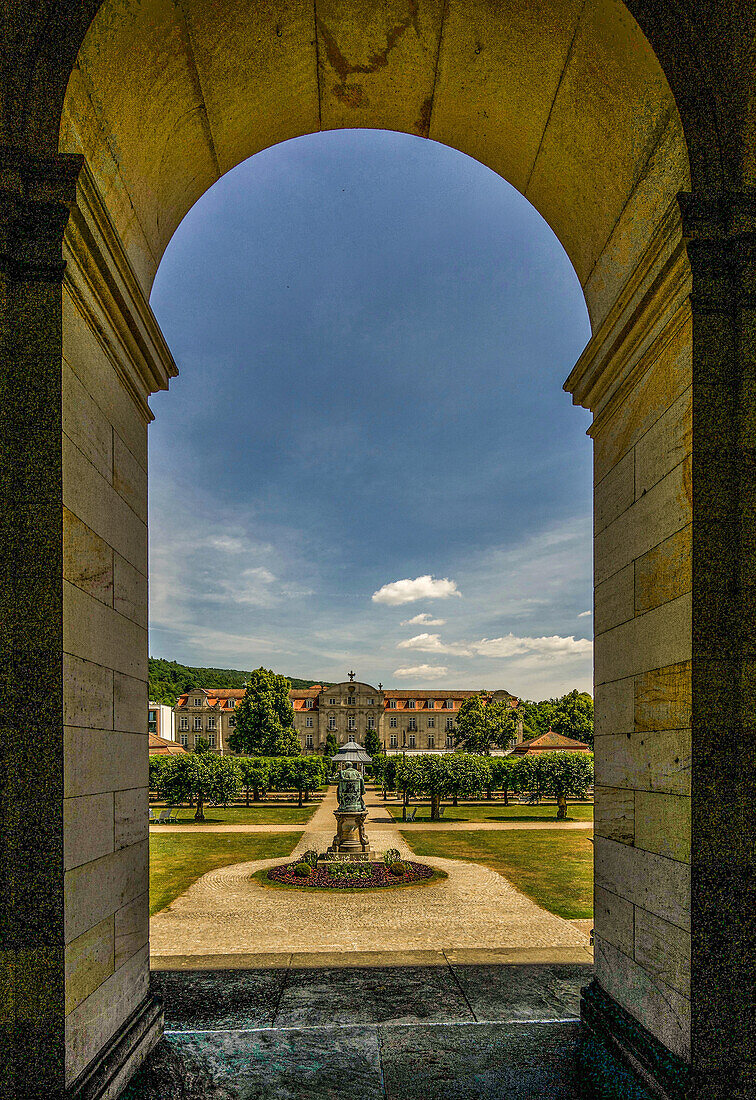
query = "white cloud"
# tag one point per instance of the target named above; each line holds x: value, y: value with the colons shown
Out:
x: 583, y: 614
x: 424, y: 672
x: 431, y: 643
x: 421, y: 588
x: 552, y: 648
x: 227, y: 543
x: 424, y: 619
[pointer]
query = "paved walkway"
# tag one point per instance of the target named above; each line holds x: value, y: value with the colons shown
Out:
x: 228, y: 912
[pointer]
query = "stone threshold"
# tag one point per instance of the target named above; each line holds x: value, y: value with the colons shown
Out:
x: 305, y: 960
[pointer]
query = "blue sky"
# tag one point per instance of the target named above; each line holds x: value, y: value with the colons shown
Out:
x: 368, y: 459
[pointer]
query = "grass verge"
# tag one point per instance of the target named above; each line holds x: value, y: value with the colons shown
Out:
x: 262, y: 877
x: 261, y: 814
x: 553, y: 868
x: 498, y: 812
x: 176, y: 860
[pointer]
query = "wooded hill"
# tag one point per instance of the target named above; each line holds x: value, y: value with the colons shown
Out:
x: 169, y: 679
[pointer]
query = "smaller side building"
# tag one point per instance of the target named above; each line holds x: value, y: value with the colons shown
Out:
x: 159, y: 746
x: 161, y: 720
x: 550, y: 742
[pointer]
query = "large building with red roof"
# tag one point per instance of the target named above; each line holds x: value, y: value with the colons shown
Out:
x: 407, y: 720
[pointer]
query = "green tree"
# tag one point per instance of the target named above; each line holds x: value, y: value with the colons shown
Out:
x: 565, y: 775
x: 502, y: 776
x: 372, y: 742
x: 302, y: 774
x: 265, y: 718
x: 484, y: 723
x: 199, y: 777
x: 331, y: 746
x: 573, y: 716
x: 439, y: 777
x: 255, y: 775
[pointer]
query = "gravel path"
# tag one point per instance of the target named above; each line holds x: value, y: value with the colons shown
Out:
x: 227, y: 912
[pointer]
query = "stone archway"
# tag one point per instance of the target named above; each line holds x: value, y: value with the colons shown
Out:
x: 571, y: 105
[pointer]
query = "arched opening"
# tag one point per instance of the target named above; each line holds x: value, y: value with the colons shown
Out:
x: 571, y: 106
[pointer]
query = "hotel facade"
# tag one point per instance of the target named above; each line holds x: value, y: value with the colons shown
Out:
x: 408, y: 720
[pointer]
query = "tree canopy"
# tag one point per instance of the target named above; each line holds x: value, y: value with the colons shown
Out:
x: 265, y: 718
x: 484, y: 724
x: 570, y: 715
x: 169, y: 679
x: 196, y: 777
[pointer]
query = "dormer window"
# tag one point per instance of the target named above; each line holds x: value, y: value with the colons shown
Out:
x: 410, y: 704
x: 392, y: 704
x: 449, y: 704
x: 231, y: 704
x: 198, y: 702
x: 431, y: 704
x: 308, y: 704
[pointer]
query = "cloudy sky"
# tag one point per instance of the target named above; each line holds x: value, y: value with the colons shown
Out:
x: 368, y: 460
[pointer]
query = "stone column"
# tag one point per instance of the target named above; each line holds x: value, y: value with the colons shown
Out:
x: 720, y: 234
x: 76, y: 1009
x: 35, y: 198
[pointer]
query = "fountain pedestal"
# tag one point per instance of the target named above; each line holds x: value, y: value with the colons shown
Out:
x: 350, y: 838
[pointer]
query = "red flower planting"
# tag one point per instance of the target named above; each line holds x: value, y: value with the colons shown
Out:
x: 365, y: 876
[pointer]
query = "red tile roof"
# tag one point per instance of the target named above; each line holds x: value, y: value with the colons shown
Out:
x: 551, y: 742
x: 159, y: 746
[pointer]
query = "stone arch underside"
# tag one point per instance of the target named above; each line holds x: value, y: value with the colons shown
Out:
x: 566, y: 100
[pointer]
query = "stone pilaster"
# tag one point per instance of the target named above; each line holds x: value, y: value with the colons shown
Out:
x: 720, y: 235
x: 35, y: 199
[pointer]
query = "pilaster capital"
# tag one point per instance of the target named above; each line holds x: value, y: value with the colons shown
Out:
x: 719, y: 231
x: 36, y: 196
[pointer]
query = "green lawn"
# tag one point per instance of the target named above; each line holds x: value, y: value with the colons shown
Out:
x: 261, y: 814
x: 497, y: 811
x: 177, y: 860
x: 553, y: 868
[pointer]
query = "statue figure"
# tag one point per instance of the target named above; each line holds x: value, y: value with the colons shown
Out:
x: 350, y: 816
x: 351, y: 792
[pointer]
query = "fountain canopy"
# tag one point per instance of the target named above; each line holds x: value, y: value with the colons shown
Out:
x: 350, y: 754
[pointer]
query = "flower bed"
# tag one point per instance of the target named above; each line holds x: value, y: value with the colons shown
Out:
x: 351, y: 876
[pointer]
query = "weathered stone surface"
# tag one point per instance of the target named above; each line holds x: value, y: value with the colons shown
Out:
x: 664, y: 573
x: 661, y: 886
x: 663, y: 824
x: 87, y: 693
x: 87, y: 828
x: 662, y: 949
x: 132, y: 923
x: 613, y: 600
x: 658, y: 638
x: 87, y: 559
x: 103, y: 760
x: 89, y: 961
x: 615, y: 917
x: 615, y: 493
x: 614, y: 813
x: 100, y: 888
x: 131, y: 814
x: 662, y: 698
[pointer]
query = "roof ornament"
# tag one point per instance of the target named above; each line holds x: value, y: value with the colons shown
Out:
x: 380, y: 687
x: 351, y: 675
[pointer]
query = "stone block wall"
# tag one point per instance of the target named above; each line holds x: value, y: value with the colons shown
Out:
x: 642, y: 434
x: 105, y: 619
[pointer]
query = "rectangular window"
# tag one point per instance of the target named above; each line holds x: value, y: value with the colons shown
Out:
x: 308, y: 721
x: 392, y: 704
x: 371, y: 722
x: 308, y: 704
x: 351, y: 700
x: 231, y: 704
x: 392, y: 721
x: 308, y: 741
x: 412, y: 723
x: 450, y: 742
x: 183, y: 723
x: 332, y: 702
x: 450, y: 723
x: 211, y: 740
x: 184, y: 739
x: 332, y: 721
x: 351, y: 724
x: 211, y: 723
x: 370, y: 702
x: 197, y: 723
x: 198, y: 702
x: 394, y: 741
x: 410, y: 704
x: 150, y: 715
x: 431, y: 704
x: 431, y: 742
x: 431, y: 723
x: 449, y: 704
x: 412, y: 741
